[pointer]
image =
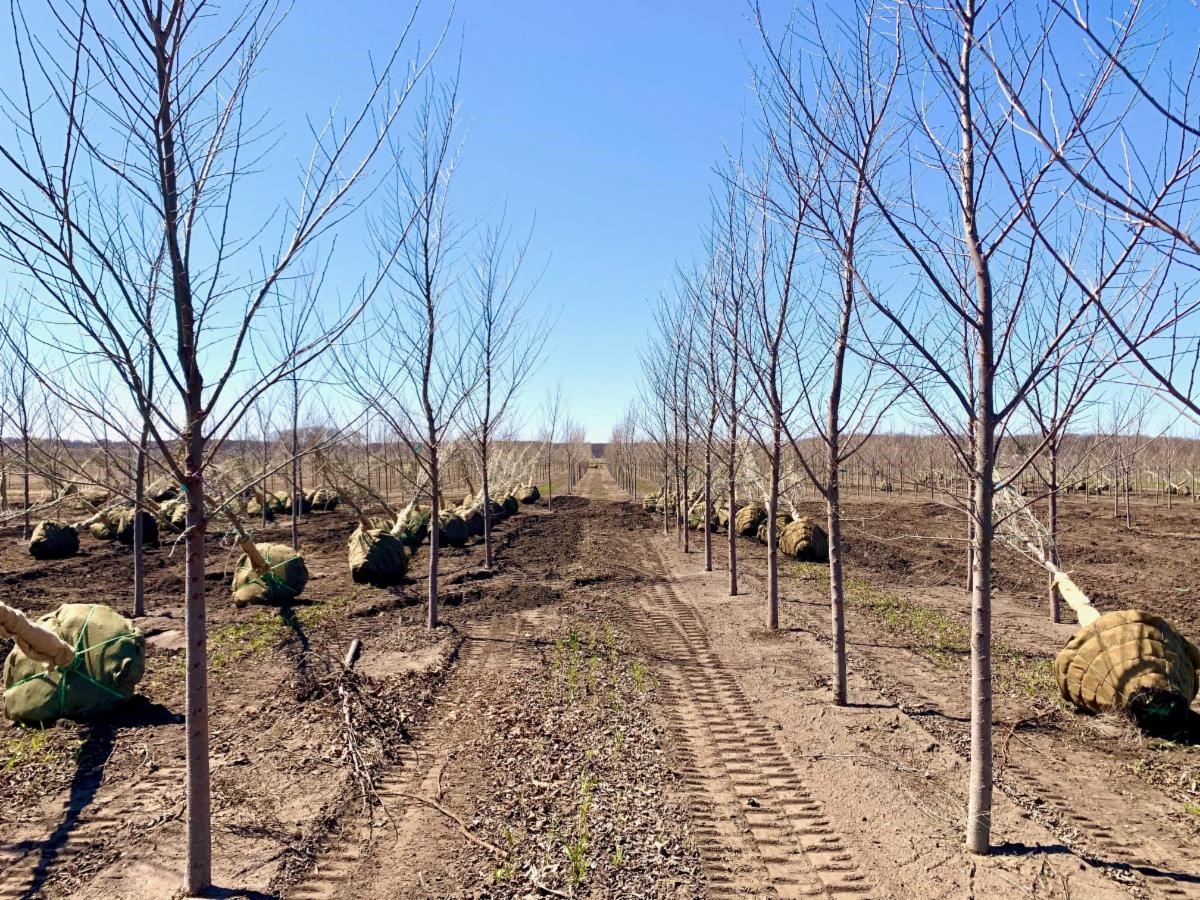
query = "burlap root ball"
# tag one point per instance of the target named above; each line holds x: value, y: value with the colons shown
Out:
x: 452, y: 530
x: 377, y: 557
x: 749, y: 519
x: 124, y: 526
x: 110, y: 659
x: 782, y: 520
x: 53, y: 540
x: 805, y: 540
x: 282, y: 583
x: 323, y: 500
x: 1130, y: 661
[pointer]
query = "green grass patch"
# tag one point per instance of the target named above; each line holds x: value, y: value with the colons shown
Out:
x: 265, y: 631
x: 942, y: 639
x: 32, y: 747
x: 931, y: 631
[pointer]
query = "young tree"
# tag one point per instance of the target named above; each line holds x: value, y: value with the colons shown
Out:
x: 408, y: 369
x: 508, y: 345
x: 826, y: 125
x: 553, y: 412
x: 130, y: 145
x: 772, y: 301
x: 972, y: 219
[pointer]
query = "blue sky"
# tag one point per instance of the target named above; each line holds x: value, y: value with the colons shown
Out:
x: 597, y: 121
x: 601, y: 120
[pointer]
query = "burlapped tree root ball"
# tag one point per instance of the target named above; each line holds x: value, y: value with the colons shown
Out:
x: 377, y: 557
x: 527, y: 494
x: 124, y: 527
x: 1130, y: 662
x: 110, y: 659
x: 782, y: 521
x: 473, y: 517
x: 650, y: 503
x: 722, y: 514
x: 323, y: 500
x: 173, y: 514
x: 804, y: 540
x: 749, y: 519
x: 453, y: 530
x: 53, y: 540
x: 281, y: 582
x: 497, y: 512
x: 511, y: 504
x: 254, y: 507
x: 696, y: 517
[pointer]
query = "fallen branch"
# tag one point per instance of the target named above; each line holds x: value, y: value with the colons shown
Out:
x: 467, y: 833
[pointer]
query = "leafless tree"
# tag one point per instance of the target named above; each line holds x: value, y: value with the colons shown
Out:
x: 975, y: 210
x: 409, y: 367
x: 553, y: 414
x: 773, y: 300
x: 826, y: 124
x: 26, y: 396
x: 508, y: 345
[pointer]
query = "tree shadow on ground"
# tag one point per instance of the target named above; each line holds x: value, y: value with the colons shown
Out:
x: 92, y: 758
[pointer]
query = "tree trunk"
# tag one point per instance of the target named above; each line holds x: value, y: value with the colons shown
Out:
x: 772, y: 533
x: 434, y: 537
x: 199, y: 840
x: 296, y: 496
x: 1052, y: 529
x: 488, y: 562
x: 139, y: 498
x: 733, y: 555
x: 979, y: 799
x: 25, y: 482
x: 708, y: 505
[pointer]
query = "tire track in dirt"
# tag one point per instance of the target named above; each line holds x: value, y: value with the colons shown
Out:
x: 759, y: 830
x: 1136, y: 846
x: 342, y: 868
x: 29, y: 863
x: 1128, y: 837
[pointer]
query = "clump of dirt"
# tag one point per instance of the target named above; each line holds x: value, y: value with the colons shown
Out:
x: 575, y: 795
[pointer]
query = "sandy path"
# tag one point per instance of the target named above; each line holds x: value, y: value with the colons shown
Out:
x: 794, y: 797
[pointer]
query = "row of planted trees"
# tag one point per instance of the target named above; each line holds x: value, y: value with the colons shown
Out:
x: 970, y: 222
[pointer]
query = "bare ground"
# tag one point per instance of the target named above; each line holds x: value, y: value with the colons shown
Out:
x: 597, y: 720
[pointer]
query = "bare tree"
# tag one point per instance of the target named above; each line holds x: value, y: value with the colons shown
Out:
x: 508, y: 346
x: 25, y: 394
x: 975, y: 213
x: 825, y: 122
x: 408, y: 366
x: 773, y: 298
x: 553, y: 413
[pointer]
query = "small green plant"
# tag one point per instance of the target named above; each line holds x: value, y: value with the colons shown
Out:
x: 576, y: 852
x: 1192, y: 809
x: 639, y: 674
x: 618, y: 857
x: 506, y: 871
x: 593, y: 675
x: 29, y: 746
x: 585, y: 797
